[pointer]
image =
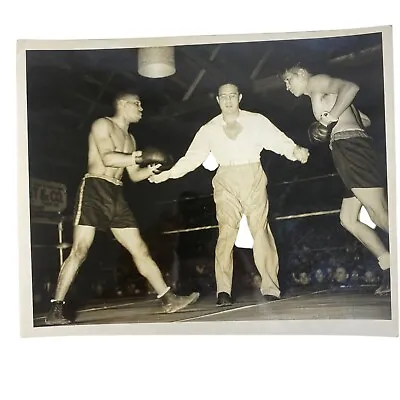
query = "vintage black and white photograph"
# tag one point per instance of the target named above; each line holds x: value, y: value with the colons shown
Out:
x: 199, y: 182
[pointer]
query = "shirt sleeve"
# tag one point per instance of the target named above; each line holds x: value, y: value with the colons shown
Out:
x: 275, y: 140
x: 196, y: 154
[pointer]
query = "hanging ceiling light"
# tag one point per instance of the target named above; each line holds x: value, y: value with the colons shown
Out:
x: 156, y: 62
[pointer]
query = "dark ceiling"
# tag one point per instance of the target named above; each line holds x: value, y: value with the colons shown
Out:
x: 67, y: 90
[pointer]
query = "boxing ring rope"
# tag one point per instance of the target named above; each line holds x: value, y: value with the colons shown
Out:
x: 286, y: 217
x: 363, y: 216
x: 313, y: 178
x: 309, y: 214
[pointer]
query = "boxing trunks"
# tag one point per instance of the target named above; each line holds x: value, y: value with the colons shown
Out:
x: 100, y: 203
x: 355, y: 160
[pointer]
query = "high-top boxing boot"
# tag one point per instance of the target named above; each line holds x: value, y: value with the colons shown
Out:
x: 55, y: 315
x: 384, y: 288
x: 172, y: 302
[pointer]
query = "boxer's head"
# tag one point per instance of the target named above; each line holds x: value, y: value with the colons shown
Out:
x: 296, y: 80
x: 129, y: 106
x: 229, y: 98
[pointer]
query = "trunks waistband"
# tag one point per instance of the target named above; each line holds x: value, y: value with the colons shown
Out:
x: 348, y: 134
x: 110, y: 179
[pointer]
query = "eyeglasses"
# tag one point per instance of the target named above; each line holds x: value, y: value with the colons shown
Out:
x: 134, y: 102
x: 228, y: 96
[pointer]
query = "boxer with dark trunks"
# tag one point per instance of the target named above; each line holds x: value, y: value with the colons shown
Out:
x: 344, y: 127
x: 100, y: 204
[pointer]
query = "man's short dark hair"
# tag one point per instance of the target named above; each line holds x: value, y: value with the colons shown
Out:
x: 120, y: 95
x: 294, y: 70
x: 229, y: 83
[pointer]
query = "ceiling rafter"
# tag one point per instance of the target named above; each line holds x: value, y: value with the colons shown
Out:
x: 96, y: 101
x: 178, y: 81
x: 179, y: 108
x: 200, y: 75
x: 261, y: 62
x: 196, y: 62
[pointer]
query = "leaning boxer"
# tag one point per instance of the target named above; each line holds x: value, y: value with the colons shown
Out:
x: 100, y: 204
x: 341, y: 125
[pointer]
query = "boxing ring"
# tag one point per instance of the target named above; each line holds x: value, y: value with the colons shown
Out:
x: 335, y: 304
x: 339, y: 301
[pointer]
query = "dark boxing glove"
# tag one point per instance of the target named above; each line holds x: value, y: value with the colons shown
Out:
x: 153, y: 156
x: 319, y: 133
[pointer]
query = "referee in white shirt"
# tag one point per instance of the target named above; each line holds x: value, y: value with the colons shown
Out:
x: 236, y: 138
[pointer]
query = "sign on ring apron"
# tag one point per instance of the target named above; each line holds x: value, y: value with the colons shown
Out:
x: 47, y: 196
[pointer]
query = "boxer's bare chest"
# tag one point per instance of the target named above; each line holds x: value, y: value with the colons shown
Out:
x: 121, y: 139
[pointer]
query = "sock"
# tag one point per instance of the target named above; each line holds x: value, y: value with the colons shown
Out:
x: 57, y: 301
x: 162, y: 294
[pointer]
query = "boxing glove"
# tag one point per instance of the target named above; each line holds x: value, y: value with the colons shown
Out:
x: 319, y: 133
x: 152, y: 156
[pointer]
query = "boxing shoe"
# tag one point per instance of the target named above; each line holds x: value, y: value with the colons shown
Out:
x: 384, y: 288
x: 173, y: 303
x: 224, y: 299
x: 55, y: 315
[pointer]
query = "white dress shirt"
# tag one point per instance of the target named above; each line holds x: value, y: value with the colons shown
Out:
x: 257, y: 133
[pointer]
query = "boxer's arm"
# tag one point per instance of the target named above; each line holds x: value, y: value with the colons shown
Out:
x: 101, y: 134
x: 137, y: 174
x: 346, y: 91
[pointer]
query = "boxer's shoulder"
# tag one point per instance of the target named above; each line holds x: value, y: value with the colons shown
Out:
x: 103, y: 121
x: 101, y: 124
